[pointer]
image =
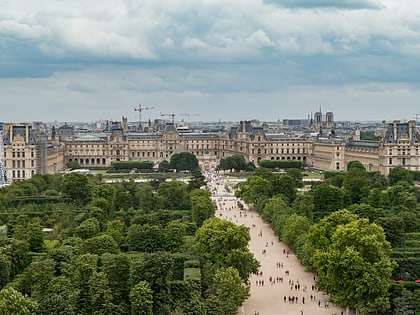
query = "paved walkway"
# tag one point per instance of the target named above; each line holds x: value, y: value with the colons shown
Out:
x: 292, y: 289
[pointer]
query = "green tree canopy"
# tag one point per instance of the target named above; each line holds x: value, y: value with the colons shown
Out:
x: 76, y: 187
x: 230, y: 289
x: 398, y: 174
x: 13, y: 302
x: 141, y: 299
x: 355, y: 267
x: 184, y: 161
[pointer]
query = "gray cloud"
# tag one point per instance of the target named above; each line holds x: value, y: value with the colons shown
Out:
x: 338, y: 4
x: 210, y: 55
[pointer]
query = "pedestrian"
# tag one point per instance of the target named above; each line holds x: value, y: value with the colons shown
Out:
x: 301, y: 312
x: 319, y: 303
x: 303, y: 300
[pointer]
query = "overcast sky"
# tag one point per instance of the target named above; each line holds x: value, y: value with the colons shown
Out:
x: 85, y: 60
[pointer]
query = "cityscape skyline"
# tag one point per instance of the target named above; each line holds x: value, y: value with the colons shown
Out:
x: 268, y: 60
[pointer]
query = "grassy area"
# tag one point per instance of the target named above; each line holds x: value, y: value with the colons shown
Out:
x: 313, y: 175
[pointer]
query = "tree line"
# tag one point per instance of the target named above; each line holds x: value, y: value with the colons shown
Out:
x: 357, y: 230
x: 119, y: 248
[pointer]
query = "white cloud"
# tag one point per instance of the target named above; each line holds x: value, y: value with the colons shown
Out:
x: 260, y: 39
x: 207, y: 51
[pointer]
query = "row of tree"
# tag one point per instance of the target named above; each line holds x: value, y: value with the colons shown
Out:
x: 353, y: 251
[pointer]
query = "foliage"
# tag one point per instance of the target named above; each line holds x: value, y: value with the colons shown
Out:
x: 281, y: 164
x: 184, y: 161
x: 397, y: 174
x: 355, y: 267
x: 294, y: 227
x: 327, y: 199
x: 13, y: 302
x: 235, y: 162
x: 225, y: 244
x: 130, y: 165
x: 230, y: 289
x: 73, y: 165
x: 141, y: 299
x: 76, y: 187
x: 175, y: 195
x: 164, y: 166
x: 202, y: 208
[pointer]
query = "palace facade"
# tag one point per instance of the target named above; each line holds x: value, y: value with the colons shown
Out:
x: 28, y: 150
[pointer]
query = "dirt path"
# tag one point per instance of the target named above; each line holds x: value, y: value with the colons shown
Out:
x: 289, y: 279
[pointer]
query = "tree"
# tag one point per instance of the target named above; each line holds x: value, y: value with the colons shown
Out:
x: 145, y: 198
x: 76, y: 187
x: 230, y: 289
x: 294, y: 227
x: 284, y: 186
x: 297, y: 175
x: 35, y: 236
x: 115, y: 228
x: 13, y: 302
x: 88, y: 228
x: 394, y: 228
x: 157, y: 271
x: 174, y: 235
x: 327, y: 199
x: 235, y: 162
x: 164, y: 166
x: 356, y: 267
x: 398, y: 174
x: 60, y: 299
x: 184, y: 161
x: 145, y: 238
x: 100, y: 295
x: 304, y: 205
x: 41, y: 272
x: 174, y: 195
x: 197, y: 180
x: 73, y: 165
x: 366, y: 211
x: 320, y: 234
x: 5, y: 269
x: 101, y: 244
x: 254, y: 188
x: 275, y: 207
x: 356, y: 183
x: 202, y: 208
x: 116, y: 267
x: 141, y: 299
x: 225, y: 244
x: 355, y: 166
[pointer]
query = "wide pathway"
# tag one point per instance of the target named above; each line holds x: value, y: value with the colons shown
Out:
x: 291, y: 289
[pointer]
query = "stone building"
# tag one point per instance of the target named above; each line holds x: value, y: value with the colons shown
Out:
x: 28, y: 151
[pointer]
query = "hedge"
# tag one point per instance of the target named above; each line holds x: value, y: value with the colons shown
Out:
x: 280, y: 164
x: 129, y: 165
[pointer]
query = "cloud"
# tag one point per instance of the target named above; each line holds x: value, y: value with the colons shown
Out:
x: 260, y: 39
x: 338, y: 4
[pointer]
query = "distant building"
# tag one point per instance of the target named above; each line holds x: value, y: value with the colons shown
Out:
x: 28, y: 151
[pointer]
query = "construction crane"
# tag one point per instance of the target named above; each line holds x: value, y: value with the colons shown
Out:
x: 171, y: 117
x: 139, y: 109
x: 416, y: 117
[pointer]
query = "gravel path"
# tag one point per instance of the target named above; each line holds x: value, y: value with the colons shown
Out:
x: 288, y: 278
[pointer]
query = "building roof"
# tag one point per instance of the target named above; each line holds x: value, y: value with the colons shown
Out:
x: 88, y: 137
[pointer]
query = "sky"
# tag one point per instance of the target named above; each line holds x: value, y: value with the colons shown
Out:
x: 209, y: 60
